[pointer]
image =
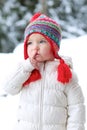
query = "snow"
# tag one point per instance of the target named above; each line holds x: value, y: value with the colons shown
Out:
x: 8, y: 111
x: 76, y: 48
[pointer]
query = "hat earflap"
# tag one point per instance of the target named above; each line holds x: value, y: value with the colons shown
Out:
x: 25, y: 48
x: 64, y: 72
x: 35, y: 75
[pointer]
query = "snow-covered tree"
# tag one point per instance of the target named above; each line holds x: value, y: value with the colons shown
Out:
x: 14, y: 15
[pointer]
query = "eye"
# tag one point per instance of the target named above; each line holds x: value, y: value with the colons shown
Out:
x: 42, y: 41
x: 29, y: 43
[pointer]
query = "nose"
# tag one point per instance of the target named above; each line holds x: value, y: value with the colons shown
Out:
x: 35, y: 46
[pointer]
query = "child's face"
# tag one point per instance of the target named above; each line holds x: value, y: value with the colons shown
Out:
x: 39, y: 48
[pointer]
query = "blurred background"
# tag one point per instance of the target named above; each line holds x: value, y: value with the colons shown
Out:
x: 15, y: 15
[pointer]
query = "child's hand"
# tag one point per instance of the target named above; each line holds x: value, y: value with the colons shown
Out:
x: 33, y: 61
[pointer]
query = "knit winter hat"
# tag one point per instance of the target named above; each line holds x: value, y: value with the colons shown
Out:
x: 51, y: 30
x: 42, y: 24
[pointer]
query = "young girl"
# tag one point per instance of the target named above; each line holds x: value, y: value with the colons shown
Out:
x: 51, y: 98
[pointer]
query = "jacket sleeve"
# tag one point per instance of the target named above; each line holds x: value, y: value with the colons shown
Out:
x: 12, y: 82
x: 75, y: 107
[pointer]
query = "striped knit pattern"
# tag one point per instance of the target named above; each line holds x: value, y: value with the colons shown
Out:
x: 46, y: 26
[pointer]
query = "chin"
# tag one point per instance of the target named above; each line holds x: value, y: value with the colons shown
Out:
x: 40, y: 60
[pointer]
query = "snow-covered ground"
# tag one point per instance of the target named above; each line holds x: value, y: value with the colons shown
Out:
x: 75, y: 48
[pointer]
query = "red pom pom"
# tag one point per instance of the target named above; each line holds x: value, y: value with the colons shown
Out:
x: 64, y: 72
x: 35, y: 75
x: 35, y: 16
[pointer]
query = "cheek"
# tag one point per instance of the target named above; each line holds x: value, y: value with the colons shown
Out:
x: 46, y: 51
x: 29, y: 51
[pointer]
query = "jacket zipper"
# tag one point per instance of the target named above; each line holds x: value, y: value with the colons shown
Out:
x: 41, y: 100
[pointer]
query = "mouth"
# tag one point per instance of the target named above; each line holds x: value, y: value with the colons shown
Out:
x: 36, y: 55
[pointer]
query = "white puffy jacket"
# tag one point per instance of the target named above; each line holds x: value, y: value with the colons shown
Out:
x: 46, y: 104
